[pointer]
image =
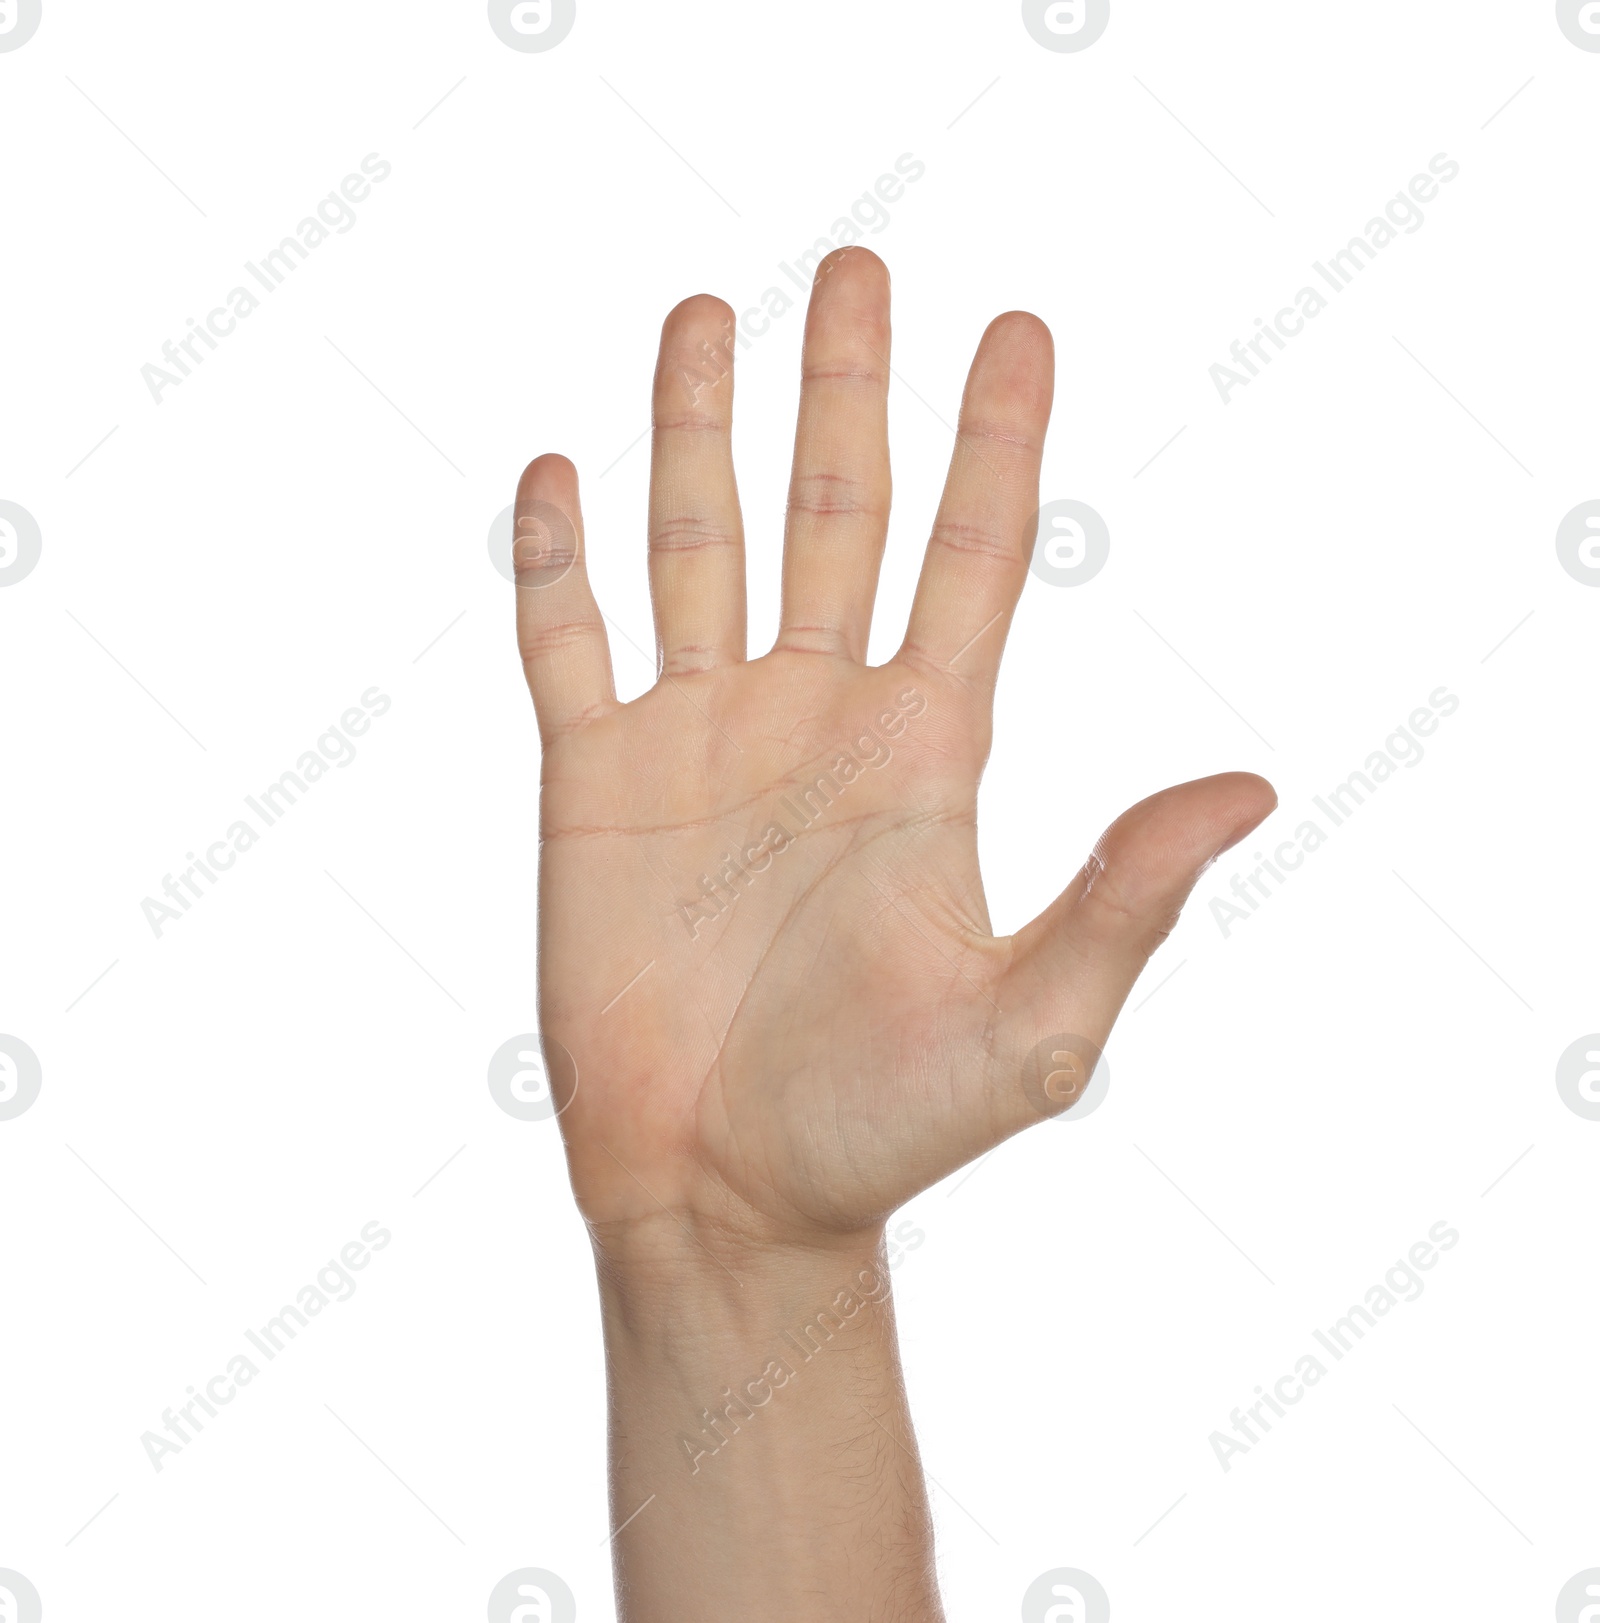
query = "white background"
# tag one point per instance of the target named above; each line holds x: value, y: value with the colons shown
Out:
x: 1293, y: 1109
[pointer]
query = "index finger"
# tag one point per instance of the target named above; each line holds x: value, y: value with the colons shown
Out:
x: 977, y: 558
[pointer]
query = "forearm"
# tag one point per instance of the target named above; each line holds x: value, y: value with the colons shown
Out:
x: 762, y: 1462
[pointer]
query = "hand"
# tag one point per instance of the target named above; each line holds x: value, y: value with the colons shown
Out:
x: 763, y: 935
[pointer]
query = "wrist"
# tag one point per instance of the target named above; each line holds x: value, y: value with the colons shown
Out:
x: 682, y: 1269
x: 716, y: 1239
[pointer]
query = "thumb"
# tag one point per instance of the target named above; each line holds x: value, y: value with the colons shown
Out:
x: 1073, y: 966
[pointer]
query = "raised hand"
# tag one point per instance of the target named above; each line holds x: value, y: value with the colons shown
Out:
x: 764, y: 945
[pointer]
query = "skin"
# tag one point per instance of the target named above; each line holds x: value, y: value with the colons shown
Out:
x: 756, y: 1071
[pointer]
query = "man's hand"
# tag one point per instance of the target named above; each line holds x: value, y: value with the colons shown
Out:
x: 771, y: 1003
x: 764, y: 945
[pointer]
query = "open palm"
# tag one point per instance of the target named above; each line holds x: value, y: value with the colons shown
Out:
x: 769, y: 993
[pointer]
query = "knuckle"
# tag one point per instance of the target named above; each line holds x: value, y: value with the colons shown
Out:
x: 691, y: 533
x: 541, y: 641
x: 1008, y: 435
x: 831, y: 495
x: 981, y: 541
